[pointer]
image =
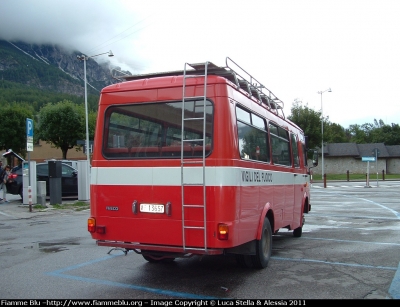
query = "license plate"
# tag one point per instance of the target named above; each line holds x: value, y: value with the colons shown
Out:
x: 151, y: 208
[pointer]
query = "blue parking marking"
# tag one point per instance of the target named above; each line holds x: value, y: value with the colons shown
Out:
x: 394, y: 289
x: 60, y: 273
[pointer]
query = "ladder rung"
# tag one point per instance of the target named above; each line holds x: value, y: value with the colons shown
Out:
x: 194, y: 227
x: 194, y: 206
x: 195, y: 249
x: 193, y: 140
x: 193, y: 162
x: 194, y: 76
x: 194, y: 97
x: 194, y: 118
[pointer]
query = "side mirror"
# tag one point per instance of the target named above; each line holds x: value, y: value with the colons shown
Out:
x: 315, y: 158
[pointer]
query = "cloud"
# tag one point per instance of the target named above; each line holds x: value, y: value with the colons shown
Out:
x: 294, y: 48
x: 89, y: 26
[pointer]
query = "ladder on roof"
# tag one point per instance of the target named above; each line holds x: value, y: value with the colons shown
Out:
x: 193, y: 169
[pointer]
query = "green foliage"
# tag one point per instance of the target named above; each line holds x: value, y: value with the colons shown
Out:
x: 311, y: 123
x: 13, y: 126
x: 308, y: 120
x: 62, y: 124
x: 37, y: 98
x: 334, y: 133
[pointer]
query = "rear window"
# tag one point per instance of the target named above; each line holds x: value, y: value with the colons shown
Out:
x: 154, y: 130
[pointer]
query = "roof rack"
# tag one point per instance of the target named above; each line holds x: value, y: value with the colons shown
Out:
x: 234, y: 73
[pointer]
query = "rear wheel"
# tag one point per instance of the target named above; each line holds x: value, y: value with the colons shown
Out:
x: 20, y: 192
x: 244, y: 261
x: 263, y: 247
x: 155, y: 257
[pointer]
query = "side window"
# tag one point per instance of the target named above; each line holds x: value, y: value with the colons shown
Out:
x: 42, y: 169
x: 305, y: 155
x: 295, y: 150
x: 253, y: 138
x: 280, y: 145
x: 66, y: 170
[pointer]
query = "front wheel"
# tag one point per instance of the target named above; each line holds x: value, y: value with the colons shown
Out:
x: 263, y: 247
x: 299, y: 230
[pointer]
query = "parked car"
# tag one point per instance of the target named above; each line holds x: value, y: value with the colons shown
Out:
x: 73, y: 163
x: 69, y: 179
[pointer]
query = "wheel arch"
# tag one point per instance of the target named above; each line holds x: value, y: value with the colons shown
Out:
x: 266, y: 213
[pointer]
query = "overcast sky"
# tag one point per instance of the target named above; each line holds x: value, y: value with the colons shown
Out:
x: 294, y: 48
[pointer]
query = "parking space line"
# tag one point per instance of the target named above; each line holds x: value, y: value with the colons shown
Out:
x: 352, y: 241
x: 5, y: 214
x: 60, y: 273
x: 397, y: 214
x: 337, y: 263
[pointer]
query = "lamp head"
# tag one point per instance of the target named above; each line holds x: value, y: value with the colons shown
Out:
x: 329, y: 90
x: 110, y: 54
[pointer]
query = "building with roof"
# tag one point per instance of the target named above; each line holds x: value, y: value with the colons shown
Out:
x: 342, y: 157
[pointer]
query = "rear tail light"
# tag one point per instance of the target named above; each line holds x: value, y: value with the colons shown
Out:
x: 91, y: 224
x: 223, y: 231
x: 12, y: 176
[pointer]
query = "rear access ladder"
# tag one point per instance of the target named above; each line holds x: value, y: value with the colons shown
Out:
x: 189, y: 167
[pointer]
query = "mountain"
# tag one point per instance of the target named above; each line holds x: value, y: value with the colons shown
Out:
x: 49, y: 69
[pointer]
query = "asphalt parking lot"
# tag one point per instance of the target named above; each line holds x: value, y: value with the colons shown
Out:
x: 349, y: 249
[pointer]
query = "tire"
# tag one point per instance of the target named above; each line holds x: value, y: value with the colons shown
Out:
x: 298, y: 232
x: 20, y: 193
x: 151, y: 260
x: 244, y: 261
x: 263, y: 247
x: 154, y: 260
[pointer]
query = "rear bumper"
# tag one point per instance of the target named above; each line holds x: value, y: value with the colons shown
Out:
x: 162, y: 248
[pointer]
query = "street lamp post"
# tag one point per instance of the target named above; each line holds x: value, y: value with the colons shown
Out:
x: 84, y: 58
x: 322, y: 133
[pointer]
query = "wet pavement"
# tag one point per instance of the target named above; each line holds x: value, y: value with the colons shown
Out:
x: 15, y: 208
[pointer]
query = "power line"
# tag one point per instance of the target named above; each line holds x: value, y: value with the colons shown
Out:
x: 105, y: 44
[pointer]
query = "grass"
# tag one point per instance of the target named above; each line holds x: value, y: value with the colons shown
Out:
x: 356, y: 177
x: 77, y: 206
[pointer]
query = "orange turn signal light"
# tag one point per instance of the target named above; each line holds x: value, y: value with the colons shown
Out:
x: 223, y: 231
x: 91, y: 223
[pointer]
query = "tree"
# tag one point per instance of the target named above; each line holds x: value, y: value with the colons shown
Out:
x: 62, y: 124
x: 334, y: 133
x: 92, y: 124
x: 308, y: 120
x: 387, y: 134
x: 13, y: 127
